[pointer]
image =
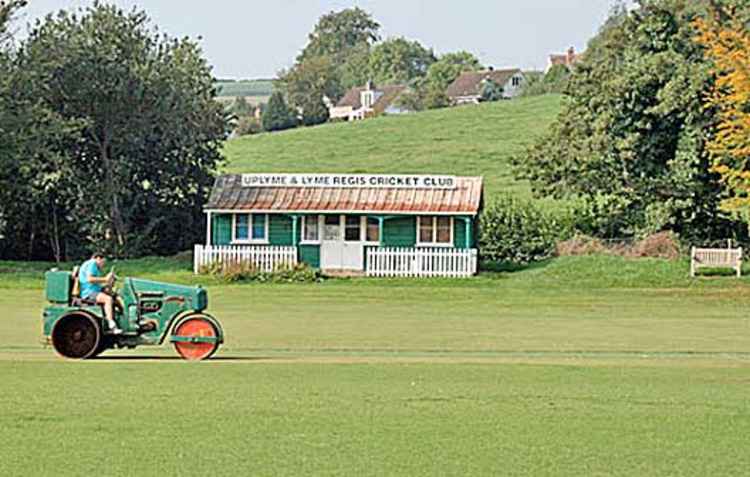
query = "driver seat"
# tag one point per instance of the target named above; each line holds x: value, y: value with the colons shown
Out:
x: 75, y: 293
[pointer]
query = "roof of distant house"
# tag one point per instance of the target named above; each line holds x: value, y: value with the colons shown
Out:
x: 469, y: 83
x: 566, y: 59
x: 390, y: 92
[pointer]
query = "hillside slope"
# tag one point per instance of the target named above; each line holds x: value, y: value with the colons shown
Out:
x: 467, y: 140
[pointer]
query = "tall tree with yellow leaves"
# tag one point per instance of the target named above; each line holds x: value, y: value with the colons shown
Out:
x: 724, y: 35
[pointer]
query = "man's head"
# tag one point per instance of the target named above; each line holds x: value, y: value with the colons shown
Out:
x: 100, y: 259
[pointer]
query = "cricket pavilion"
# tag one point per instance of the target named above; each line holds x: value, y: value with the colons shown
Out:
x: 352, y: 224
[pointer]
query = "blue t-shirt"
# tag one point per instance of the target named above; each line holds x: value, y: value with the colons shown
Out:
x: 89, y: 269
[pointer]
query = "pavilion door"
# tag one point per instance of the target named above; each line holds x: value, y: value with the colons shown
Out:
x: 342, y: 246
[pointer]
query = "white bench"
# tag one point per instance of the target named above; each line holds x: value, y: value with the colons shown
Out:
x: 716, y: 258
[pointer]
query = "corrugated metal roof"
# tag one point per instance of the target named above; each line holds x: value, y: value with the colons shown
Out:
x: 228, y: 193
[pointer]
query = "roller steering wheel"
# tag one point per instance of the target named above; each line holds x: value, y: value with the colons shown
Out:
x: 110, y: 285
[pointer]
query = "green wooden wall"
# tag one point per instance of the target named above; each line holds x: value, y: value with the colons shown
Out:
x: 221, y: 229
x: 399, y: 232
x: 280, y: 230
x: 310, y: 254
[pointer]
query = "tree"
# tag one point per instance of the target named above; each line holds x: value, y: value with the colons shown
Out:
x: 338, y: 33
x: 491, y: 91
x: 449, y: 66
x: 34, y: 199
x: 277, y: 115
x: 399, y: 60
x: 337, y: 52
x: 141, y: 166
x: 632, y: 131
x: 726, y: 39
x: 440, y: 75
x: 306, y: 84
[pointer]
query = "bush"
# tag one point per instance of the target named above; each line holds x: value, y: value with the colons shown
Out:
x: 232, y: 272
x: 518, y: 232
x: 663, y: 245
x: 247, y: 125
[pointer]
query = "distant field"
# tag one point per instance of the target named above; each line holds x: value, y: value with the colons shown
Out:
x: 259, y: 87
x: 467, y: 140
x: 576, y: 366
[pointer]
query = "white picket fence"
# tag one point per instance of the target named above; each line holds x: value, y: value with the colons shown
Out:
x: 265, y: 258
x: 421, y: 262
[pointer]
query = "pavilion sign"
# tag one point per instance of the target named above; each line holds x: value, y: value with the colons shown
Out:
x: 350, y: 181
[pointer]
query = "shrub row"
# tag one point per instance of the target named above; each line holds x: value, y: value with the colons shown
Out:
x: 231, y: 272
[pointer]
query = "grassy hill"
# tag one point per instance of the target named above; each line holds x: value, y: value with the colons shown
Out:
x: 467, y: 140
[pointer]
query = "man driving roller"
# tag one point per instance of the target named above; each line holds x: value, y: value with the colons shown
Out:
x: 92, y: 282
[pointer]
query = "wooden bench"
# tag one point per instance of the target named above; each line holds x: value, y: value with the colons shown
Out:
x: 716, y: 258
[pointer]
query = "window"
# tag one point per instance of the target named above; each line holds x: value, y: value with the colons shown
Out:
x: 250, y: 228
x: 353, y: 228
x: 331, y: 227
x: 310, y: 229
x: 259, y: 226
x: 241, y: 227
x: 373, y: 230
x: 443, y: 233
x: 516, y: 81
x: 435, y: 231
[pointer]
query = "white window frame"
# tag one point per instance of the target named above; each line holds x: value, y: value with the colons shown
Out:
x: 319, y: 224
x: 433, y: 243
x: 250, y: 239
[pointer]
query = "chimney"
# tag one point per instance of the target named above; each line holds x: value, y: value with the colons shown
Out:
x: 571, y: 55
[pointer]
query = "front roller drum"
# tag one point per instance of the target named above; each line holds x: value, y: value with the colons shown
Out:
x: 76, y: 336
x: 195, y: 339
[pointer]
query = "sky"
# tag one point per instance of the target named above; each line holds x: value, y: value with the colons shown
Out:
x: 255, y: 39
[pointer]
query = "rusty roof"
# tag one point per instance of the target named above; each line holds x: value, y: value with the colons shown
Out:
x: 228, y: 194
x: 469, y: 83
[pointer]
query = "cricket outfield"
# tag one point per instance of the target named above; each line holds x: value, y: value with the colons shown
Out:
x: 582, y: 366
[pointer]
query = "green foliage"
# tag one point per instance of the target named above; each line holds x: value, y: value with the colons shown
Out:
x: 633, y: 130
x: 240, y: 107
x: 307, y: 83
x: 338, y: 33
x: 278, y: 116
x: 135, y: 178
x: 518, y: 232
x: 449, y: 66
x: 554, y: 81
x: 491, y: 91
x: 247, y: 272
x: 342, y: 40
x: 429, y: 91
x: 247, y: 125
x: 399, y: 61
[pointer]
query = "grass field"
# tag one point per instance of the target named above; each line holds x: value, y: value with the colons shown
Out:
x: 468, y: 140
x: 577, y: 366
x: 257, y: 87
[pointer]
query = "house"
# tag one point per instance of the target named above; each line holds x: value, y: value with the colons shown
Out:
x: 467, y: 88
x: 367, y: 101
x: 376, y: 225
x: 568, y: 59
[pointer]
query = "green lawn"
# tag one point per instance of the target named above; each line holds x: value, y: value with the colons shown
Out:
x: 577, y: 366
x: 467, y: 140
